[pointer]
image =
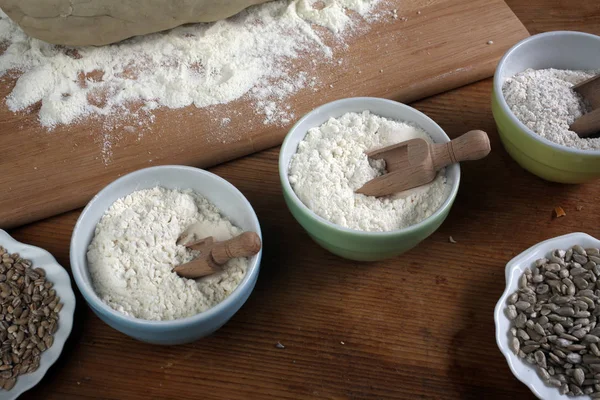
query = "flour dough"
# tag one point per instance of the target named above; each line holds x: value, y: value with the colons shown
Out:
x: 99, y: 22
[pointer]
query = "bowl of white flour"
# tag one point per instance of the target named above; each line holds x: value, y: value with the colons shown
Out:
x: 323, y: 162
x: 123, y: 250
x: 533, y: 105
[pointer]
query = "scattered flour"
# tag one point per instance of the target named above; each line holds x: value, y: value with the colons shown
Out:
x: 252, y: 54
x: 330, y: 164
x: 133, y: 252
x: 544, y: 101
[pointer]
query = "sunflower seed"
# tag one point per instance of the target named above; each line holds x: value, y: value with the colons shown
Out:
x: 579, y: 250
x: 553, y: 267
x: 520, y: 321
x: 530, y: 348
x: 562, y: 300
x: 560, y: 253
x: 554, y: 382
x: 574, y: 358
x: 564, y: 389
x: 582, y: 322
x: 569, y: 337
x: 580, y: 283
x: 556, y: 318
x: 515, y: 345
x: 591, y: 339
x: 578, y: 376
x: 559, y: 353
x: 543, y: 373
x: 543, y: 320
x: 590, y: 359
x: 582, y: 314
x: 540, y: 358
x: 536, y: 337
x: 522, y: 305
x: 539, y: 329
x: 520, y: 333
x: 579, y: 333
x: 576, y: 390
x: 523, y: 281
x: 551, y: 275
x: 543, y: 288
x: 566, y: 311
x: 511, y: 312
x: 9, y: 383
x: 554, y: 359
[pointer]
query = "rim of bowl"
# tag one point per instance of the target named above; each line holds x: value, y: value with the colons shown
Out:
x: 283, y: 171
x: 499, y: 308
x: 498, y: 83
x: 91, y: 296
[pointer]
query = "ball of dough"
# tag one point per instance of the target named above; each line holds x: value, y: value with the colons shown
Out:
x: 100, y: 22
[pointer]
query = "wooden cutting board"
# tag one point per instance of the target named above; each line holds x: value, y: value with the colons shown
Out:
x: 442, y: 44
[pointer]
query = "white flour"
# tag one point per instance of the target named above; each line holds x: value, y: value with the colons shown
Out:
x: 331, y: 164
x: 133, y: 252
x: 252, y: 54
x: 544, y: 101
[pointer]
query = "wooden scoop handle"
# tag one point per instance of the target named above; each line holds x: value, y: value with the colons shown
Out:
x: 590, y: 91
x: 473, y: 145
x: 196, y: 268
x: 588, y: 124
x: 245, y: 245
x: 215, y: 254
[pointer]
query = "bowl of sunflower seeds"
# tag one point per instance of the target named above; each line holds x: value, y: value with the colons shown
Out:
x: 548, y: 318
x: 37, y: 305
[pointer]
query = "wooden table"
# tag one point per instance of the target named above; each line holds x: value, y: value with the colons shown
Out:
x: 418, y: 326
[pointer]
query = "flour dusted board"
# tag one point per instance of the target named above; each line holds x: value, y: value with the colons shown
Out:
x: 442, y: 45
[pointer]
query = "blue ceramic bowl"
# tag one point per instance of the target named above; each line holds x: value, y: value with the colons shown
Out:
x: 218, y: 191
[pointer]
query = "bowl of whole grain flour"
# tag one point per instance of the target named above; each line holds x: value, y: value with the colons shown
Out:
x: 533, y: 104
x: 322, y: 163
x: 124, y: 248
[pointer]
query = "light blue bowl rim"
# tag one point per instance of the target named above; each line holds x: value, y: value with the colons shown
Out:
x: 91, y: 297
x: 283, y: 174
x: 498, y: 82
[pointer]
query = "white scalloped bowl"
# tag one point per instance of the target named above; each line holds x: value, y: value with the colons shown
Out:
x: 514, y: 269
x: 62, y: 284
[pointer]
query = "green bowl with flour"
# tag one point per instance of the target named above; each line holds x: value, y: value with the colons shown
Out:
x: 349, y: 243
x: 538, y: 155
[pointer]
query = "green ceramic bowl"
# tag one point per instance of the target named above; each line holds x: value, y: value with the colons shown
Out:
x: 349, y: 243
x: 548, y: 160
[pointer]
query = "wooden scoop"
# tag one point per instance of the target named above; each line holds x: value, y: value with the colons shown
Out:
x: 415, y: 162
x: 214, y: 254
x: 589, y: 123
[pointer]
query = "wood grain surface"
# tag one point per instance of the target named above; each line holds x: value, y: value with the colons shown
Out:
x: 442, y: 44
x: 419, y: 326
